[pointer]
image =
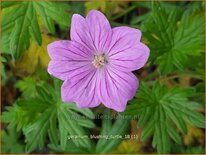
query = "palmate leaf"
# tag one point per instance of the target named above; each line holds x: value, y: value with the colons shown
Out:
x: 21, y: 22
x: 160, y: 110
x: 28, y: 86
x: 174, y: 37
x: 45, y: 116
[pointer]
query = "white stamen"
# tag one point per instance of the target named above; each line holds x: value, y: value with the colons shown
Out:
x: 99, y: 60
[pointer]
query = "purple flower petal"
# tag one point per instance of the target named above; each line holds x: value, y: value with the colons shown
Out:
x: 82, y: 89
x: 94, y: 32
x: 80, y: 32
x: 124, y: 38
x: 100, y: 30
x: 67, y: 57
x: 130, y: 59
x: 116, y: 88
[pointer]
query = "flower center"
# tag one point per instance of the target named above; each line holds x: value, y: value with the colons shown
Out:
x: 99, y: 60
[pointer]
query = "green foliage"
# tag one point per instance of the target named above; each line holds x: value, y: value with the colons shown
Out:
x: 189, y: 150
x: 108, y: 129
x: 10, y: 142
x: 7, y: 4
x: 70, y: 148
x: 174, y: 37
x: 21, y: 23
x: 17, y: 117
x: 38, y: 120
x: 45, y: 115
x: 28, y: 85
x: 159, y: 109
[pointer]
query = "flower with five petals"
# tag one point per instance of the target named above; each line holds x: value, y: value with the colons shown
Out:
x: 96, y: 64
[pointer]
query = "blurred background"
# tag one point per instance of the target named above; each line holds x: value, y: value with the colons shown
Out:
x: 174, y: 31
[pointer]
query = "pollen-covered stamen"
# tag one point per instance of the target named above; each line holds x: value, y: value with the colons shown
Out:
x: 99, y: 60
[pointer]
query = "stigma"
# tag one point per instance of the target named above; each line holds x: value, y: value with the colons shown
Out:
x: 99, y: 60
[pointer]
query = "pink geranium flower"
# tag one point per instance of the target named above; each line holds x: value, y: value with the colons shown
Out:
x: 97, y: 64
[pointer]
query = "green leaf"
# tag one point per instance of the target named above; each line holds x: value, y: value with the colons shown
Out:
x: 28, y: 86
x: 118, y: 128
x: 47, y: 20
x: 161, y: 110
x: 25, y: 26
x: 55, y: 11
x: 36, y: 133
x: 43, y: 116
x: 67, y: 119
x: 173, y: 134
x: 148, y: 130
x: 22, y: 24
x: 141, y: 18
x: 51, y: 12
x: 86, y: 112
x: 5, y: 43
x: 8, y: 4
x: 53, y: 136
x: 176, y: 119
x: 17, y: 117
x: 70, y: 148
x: 174, y: 37
x: 11, y: 142
x: 162, y: 140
